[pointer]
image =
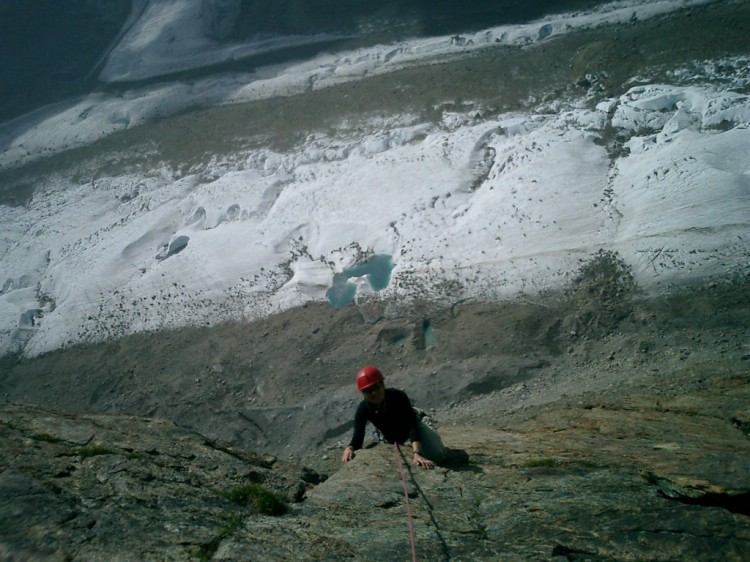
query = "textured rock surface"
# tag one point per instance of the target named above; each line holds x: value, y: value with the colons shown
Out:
x: 636, y: 479
x: 639, y: 478
x: 120, y: 488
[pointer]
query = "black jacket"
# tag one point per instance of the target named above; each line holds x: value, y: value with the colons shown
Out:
x: 395, y: 419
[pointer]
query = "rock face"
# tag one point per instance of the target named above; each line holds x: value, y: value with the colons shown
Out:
x: 636, y: 478
x: 122, y: 488
x: 617, y: 437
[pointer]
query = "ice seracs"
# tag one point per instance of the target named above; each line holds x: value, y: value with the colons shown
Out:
x: 485, y: 208
x: 466, y: 207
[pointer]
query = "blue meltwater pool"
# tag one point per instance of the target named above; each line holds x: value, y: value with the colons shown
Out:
x: 378, y: 271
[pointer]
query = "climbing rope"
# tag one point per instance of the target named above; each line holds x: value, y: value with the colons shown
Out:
x: 408, y: 505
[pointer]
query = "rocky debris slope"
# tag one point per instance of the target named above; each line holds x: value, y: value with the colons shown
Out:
x: 636, y: 478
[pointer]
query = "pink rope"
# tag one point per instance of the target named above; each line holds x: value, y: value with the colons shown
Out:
x: 408, y: 505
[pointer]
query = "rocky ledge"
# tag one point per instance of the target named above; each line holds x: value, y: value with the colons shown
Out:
x: 635, y: 478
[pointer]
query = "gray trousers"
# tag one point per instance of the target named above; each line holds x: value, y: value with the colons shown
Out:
x: 432, y: 445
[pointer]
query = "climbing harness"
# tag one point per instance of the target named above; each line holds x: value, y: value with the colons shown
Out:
x: 406, y: 500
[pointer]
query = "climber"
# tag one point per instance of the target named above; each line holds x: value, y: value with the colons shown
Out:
x: 390, y: 411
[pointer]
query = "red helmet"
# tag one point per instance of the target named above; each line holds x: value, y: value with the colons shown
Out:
x: 368, y: 376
